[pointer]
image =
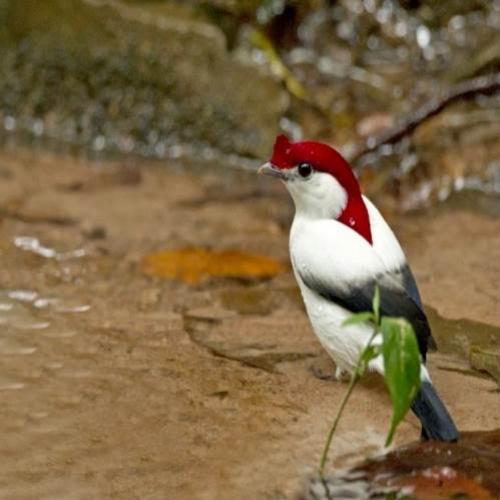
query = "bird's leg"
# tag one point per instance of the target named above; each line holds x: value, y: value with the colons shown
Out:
x: 342, y: 375
x: 339, y: 375
x: 323, y: 374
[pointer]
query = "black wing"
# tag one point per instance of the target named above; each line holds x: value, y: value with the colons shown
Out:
x: 405, y: 276
x: 399, y: 297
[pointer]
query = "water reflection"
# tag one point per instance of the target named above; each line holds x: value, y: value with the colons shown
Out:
x: 26, y: 310
x: 31, y: 244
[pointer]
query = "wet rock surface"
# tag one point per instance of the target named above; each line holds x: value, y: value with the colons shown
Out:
x: 118, y: 385
x: 249, y: 339
x: 423, y: 470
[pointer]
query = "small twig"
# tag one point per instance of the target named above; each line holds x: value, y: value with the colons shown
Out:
x: 483, y: 85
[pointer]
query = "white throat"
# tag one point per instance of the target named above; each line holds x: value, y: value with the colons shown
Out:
x: 320, y: 197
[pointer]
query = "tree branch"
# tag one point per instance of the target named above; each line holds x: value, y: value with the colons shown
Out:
x: 483, y: 85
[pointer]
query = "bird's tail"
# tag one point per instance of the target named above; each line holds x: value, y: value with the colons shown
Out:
x: 433, y: 415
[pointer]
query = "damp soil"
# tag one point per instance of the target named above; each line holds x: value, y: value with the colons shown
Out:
x: 118, y: 385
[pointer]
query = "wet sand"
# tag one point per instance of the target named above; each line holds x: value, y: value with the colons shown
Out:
x: 117, y: 385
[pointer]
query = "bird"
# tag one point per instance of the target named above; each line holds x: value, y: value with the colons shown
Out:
x: 341, y: 249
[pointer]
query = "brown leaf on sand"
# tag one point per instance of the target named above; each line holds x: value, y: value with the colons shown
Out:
x: 193, y: 265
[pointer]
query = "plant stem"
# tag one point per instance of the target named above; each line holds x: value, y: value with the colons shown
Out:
x: 354, y: 380
x: 324, y: 456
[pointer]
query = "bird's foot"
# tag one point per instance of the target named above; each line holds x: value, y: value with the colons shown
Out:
x: 339, y: 375
x: 320, y: 373
x: 342, y: 375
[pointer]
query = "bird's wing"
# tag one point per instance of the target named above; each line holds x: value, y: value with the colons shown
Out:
x: 387, y: 246
x: 346, y: 273
x: 405, y: 276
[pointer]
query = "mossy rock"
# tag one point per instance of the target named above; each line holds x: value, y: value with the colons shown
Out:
x: 130, y: 78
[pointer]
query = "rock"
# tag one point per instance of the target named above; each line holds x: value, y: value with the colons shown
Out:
x: 151, y: 81
x: 423, y: 470
x: 253, y: 340
x: 462, y: 336
x: 486, y: 360
x: 248, y: 300
x: 209, y: 314
x: 261, y: 300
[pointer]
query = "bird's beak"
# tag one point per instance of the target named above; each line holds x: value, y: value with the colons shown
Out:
x: 270, y: 169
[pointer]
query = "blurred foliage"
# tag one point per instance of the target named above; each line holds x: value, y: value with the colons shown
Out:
x: 168, y: 78
x: 292, y: 84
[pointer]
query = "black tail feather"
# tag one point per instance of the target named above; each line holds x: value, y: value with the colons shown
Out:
x: 433, y: 415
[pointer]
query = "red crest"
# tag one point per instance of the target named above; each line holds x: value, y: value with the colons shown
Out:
x: 325, y: 159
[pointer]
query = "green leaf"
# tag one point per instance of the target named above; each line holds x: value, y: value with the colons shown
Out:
x: 401, y: 367
x: 376, y: 305
x: 358, y: 318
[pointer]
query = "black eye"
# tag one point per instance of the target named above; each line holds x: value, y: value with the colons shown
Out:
x: 305, y: 170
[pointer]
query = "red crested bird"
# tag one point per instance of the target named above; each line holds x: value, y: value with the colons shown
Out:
x: 341, y: 248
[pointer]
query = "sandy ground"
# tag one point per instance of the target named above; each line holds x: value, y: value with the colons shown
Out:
x: 117, y: 385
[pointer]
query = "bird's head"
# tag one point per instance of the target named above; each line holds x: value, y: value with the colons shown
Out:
x: 320, y: 181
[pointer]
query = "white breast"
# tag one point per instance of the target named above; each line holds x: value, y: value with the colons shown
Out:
x: 329, y: 249
x: 343, y: 344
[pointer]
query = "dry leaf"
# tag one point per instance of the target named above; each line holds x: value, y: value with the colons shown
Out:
x: 193, y: 265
